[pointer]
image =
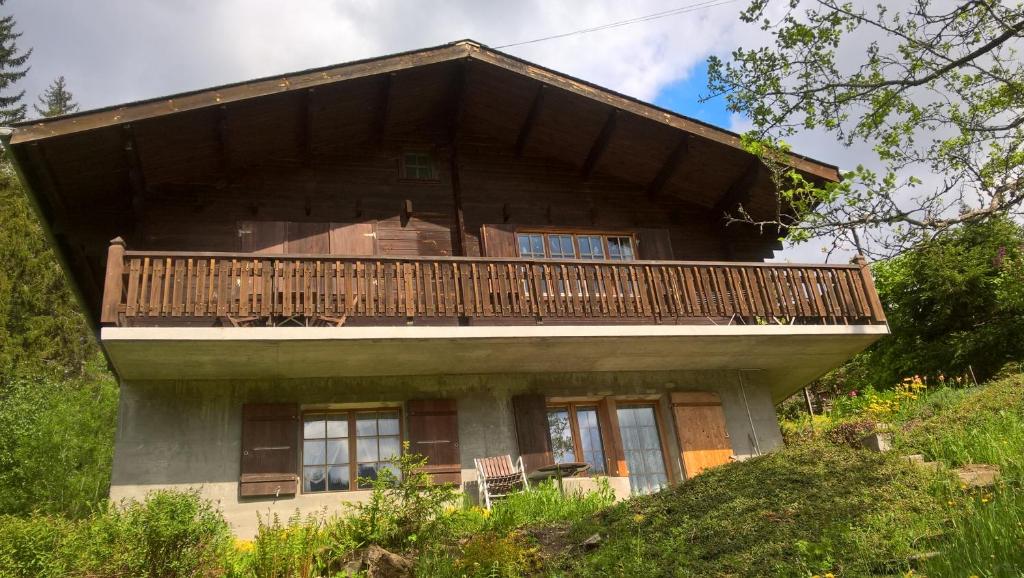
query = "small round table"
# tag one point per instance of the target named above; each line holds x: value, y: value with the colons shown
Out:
x: 558, y: 471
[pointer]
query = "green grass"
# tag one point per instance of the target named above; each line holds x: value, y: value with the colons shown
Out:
x: 817, y: 507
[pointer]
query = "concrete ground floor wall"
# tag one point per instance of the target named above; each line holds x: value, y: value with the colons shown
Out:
x: 187, y: 434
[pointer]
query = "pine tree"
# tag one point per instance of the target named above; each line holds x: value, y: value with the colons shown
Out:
x: 56, y: 100
x: 12, y: 69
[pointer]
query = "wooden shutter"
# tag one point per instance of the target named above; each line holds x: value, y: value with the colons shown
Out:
x: 270, y: 440
x: 499, y: 241
x: 700, y: 426
x: 433, y: 426
x: 308, y: 238
x: 655, y: 244
x: 264, y: 237
x: 531, y: 414
x: 611, y: 436
x: 355, y: 239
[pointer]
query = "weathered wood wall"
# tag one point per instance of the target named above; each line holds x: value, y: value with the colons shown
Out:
x: 415, y: 217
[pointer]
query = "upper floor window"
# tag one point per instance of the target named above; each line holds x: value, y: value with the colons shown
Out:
x: 575, y: 246
x: 339, y: 448
x: 418, y: 166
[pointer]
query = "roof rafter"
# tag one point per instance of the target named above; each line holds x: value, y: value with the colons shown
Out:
x: 600, y: 144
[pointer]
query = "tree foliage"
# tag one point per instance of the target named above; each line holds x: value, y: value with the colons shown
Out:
x: 41, y: 325
x: 936, y: 90
x: 955, y: 305
x: 12, y: 69
x: 56, y: 100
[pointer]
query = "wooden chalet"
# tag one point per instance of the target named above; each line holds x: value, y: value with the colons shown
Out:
x: 293, y: 275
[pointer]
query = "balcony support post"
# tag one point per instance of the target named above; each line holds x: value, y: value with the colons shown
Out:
x: 113, y: 283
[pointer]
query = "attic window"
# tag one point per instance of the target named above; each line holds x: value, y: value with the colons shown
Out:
x: 418, y: 166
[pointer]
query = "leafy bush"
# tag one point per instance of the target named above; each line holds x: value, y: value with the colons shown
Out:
x: 169, y: 534
x: 57, y: 442
x: 296, y: 548
x: 401, y: 506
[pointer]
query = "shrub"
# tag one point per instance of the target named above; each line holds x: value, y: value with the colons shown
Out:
x: 400, y: 507
x: 31, y: 547
x: 169, y: 534
x: 296, y: 548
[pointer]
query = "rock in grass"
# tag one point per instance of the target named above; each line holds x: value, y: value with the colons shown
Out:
x: 376, y: 562
x: 978, y: 475
x: 592, y: 542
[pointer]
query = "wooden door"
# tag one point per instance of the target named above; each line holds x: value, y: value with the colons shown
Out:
x: 308, y: 238
x: 270, y: 440
x: 700, y: 426
x: 531, y: 415
x: 353, y: 239
x: 263, y: 237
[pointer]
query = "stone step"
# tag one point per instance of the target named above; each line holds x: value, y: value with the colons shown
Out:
x: 977, y: 475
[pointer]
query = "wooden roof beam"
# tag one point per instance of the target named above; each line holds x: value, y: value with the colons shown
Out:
x: 669, y: 167
x: 531, y: 119
x: 739, y: 192
x: 136, y: 178
x: 600, y: 144
x: 306, y: 126
x: 380, y: 123
x: 460, y: 86
x: 223, y: 147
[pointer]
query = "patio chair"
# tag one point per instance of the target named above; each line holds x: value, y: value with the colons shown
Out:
x: 498, y: 477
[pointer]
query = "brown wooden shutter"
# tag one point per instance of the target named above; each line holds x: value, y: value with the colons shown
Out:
x: 499, y: 241
x: 531, y: 413
x: 309, y: 238
x: 264, y: 237
x: 356, y: 239
x: 655, y: 244
x: 433, y: 426
x: 611, y: 436
x: 700, y: 425
x: 270, y: 440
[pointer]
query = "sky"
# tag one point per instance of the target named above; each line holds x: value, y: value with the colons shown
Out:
x: 115, y: 51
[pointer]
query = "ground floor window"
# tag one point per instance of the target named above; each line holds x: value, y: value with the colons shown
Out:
x: 576, y: 436
x: 641, y: 444
x: 340, y: 447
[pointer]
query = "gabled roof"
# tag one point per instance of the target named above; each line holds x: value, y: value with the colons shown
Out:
x: 35, y: 130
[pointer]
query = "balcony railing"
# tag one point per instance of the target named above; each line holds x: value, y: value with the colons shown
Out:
x: 178, y: 288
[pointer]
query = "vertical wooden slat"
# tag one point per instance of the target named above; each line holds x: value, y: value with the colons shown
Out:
x: 134, y: 279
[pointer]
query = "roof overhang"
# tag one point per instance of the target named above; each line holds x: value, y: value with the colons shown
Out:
x: 786, y: 357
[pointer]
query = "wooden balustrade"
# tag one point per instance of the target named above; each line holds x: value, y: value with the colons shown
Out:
x: 169, y: 288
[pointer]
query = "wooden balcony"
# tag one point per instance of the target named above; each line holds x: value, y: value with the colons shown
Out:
x: 146, y: 288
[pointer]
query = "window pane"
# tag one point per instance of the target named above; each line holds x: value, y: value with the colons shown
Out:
x: 313, y: 452
x: 561, y: 436
x: 591, y: 247
x: 561, y: 247
x: 366, y: 450
x: 389, y: 448
x: 313, y: 427
x: 367, y: 471
x: 337, y: 426
x: 531, y: 245
x: 337, y: 478
x: 337, y: 451
x: 390, y: 467
x: 387, y: 424
x: 590, y: 438
x: 313, y: 479
x: 366, y: 424
x: 620, y: 248
x: 642, y: 446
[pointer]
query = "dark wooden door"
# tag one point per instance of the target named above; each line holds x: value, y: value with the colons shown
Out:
x: 433, y: 426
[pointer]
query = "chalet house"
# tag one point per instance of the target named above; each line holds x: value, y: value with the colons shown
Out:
x: 452, y: 247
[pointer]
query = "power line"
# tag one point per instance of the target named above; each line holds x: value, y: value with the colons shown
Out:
x: 655, y: 16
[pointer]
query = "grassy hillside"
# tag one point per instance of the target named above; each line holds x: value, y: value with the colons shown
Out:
x: 819, y: 507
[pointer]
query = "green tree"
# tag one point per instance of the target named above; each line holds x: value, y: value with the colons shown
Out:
x: 955, y: 303
x: 12, y: 69
x: 934, y: 89
x: 41, y: 326
x: 57, y: 100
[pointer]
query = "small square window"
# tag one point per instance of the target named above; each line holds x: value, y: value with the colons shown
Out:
x: 418, y: 166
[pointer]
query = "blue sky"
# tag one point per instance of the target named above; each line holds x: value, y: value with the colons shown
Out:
x: 684, y: 97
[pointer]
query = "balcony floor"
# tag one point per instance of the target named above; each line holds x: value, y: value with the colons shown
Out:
x: 787, y: 356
